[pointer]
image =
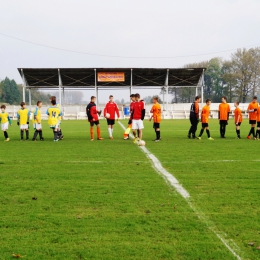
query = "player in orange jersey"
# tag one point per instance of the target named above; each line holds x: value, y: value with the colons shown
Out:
x: 258, y: 123
x: 238, y: 118
x: 252, y: 111
x: 223, y: 116
x: 205, y: 113
x: 156, y: 111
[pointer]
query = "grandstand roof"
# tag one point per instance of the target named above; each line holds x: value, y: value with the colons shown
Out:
x: 87, y: 77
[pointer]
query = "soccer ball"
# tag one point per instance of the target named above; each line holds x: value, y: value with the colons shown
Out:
x: 141, y: 143
x: 107, y: 115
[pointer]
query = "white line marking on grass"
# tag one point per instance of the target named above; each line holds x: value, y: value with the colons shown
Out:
x: 184, y: 193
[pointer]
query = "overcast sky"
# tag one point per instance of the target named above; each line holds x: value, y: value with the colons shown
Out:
x: 139, y: 28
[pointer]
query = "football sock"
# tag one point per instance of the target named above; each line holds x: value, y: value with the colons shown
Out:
x: 253, y: 131
x: 224, y: 130
x: 110, y: 131
x: 238, y: 133
x: 220, y: 130
x: 158, y: 135
x: 201, y: 132
x: 55, y: 135
x: 60, y: 133
x: 27, y: 134
x: 40, y: 133
x: 258, y: 132
x: 208, y: 133
x: 35, y: 134
x: 21, y: 134
x: 250, y: 132
x: 98, y: 132
x: 91, y: 133
x: 5, y: 134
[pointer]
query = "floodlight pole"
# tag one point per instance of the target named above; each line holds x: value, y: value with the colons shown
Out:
x: 202, y: 87
x: 96, y: 88
x: 30, y: 99
x: 60, y: 84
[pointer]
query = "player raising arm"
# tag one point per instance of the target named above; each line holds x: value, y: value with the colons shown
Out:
x: 23, y: 116
x: 93, y: 119
x: 223, y: 116
x: 111, y: 109
x: 157, y: 117
x: 205, y: 113
x: 5, y: 120
x: 252, y: 110
x: 37, y: 122
x: 238, y: 118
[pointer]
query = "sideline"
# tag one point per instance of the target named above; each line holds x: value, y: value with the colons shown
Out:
x: 229, y: 244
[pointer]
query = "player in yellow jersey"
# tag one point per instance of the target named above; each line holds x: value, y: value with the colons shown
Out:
x: 53, y: 120
x: 37, y: 121
x: 205, y: 113
x: 156, y: 111
x: 60, y: 135
x: 23, y: 116
x: 5, y: 120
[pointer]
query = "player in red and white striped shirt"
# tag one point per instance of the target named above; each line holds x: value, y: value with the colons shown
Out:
x: 111, y: 108
x: 138, y: 117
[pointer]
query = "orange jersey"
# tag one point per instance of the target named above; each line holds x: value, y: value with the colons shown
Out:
x: 205, y: 114
x: 258, y: 114
x: 157, y: 113
x: 223, y: 111
x: 238, y: 115
x: 253, y: 114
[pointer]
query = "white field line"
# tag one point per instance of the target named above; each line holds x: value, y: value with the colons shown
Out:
x: 229, y: 244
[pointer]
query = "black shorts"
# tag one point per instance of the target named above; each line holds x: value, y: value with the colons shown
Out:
x: 223, y: 122
x: 92, y: 123
x: 156, y: 125
x: 252, y: 122
x: 110, y: 121
x: 258, y: 124
x: 205, y: 125
x: 238, y: 124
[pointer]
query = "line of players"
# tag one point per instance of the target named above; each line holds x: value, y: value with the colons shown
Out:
x: 137, y: 114
x: 23, y: 115
x: 223, y: 116
x: 135, y: 123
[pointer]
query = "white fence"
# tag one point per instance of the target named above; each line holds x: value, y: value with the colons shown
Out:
x: 175, y: 111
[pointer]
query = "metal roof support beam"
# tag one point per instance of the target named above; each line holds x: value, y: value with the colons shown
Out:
x: 131, y: 82
x: 24, y: 84
x: 202, y: 87
x: 60, y: 85
x: 167, y: 90
x: 96, y: 88
x: 30, y: 99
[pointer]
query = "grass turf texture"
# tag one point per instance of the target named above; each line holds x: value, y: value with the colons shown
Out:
x: 103, y: 200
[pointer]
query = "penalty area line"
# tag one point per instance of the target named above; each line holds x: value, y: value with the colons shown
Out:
x: 169, y: 178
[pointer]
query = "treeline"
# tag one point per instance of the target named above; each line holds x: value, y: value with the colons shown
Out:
x: 12, y: 93
x: 237, y: 78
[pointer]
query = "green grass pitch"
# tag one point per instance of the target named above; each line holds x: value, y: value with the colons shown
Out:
x: 104, y: 200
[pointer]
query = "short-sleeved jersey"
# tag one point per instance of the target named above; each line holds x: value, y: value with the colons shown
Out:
x: 252, y: 114
x: 4, y: 118
x: 23, y: 116
x: 92, y: 112
x: 112, y: 109
x: 205, y: 114
x: 223, y: 110
x: 139, y: 110
x: 258, y: 114
x: 131, y: 109
x: 37, y: 116
x: 194, y: 110
x: 238, y: 115
x: 157, y: 113
x: 54, y: 113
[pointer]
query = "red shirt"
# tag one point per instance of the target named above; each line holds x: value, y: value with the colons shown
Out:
x: 138, y: 110
x: 131, y: 109
x: 112, y: 109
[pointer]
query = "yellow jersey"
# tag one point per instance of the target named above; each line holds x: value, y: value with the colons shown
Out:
x: 4, y: 118
x: 54, y: 113
x: 23, y: 115
x: 37, y: 116
x: 157, y: 113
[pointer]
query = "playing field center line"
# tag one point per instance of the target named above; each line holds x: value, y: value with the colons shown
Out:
x: 170, y: 179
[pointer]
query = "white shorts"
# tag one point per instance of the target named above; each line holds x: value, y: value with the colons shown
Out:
x: 24, y: 127
x: 37, y: 126
x: 137, y: 124
x: 4, y: 126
